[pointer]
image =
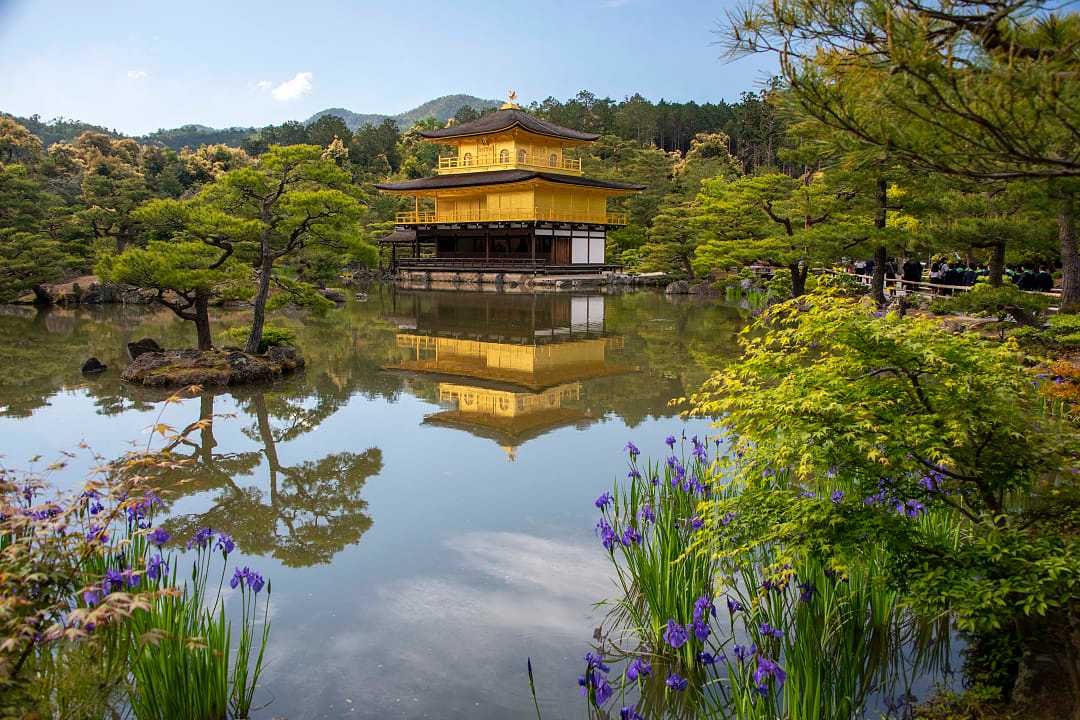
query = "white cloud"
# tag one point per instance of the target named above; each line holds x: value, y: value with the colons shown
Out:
x: 292, y: 89
x: 137, y: 74
x: 264, y: 85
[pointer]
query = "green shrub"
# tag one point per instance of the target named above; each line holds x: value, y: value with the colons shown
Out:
x: 273, y: 335
x: 1062, y: 331
x: 842, y: 283
x: 1000, y: 302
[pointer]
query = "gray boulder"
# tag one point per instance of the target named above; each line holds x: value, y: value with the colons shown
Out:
x: 332, y: 295
x: 93, y: 366
x: 679, y: 287
x: 137, y: 348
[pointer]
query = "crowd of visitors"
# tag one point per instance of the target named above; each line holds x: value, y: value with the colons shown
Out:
x: 940, y: 272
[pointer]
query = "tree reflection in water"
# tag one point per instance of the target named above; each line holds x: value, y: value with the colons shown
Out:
x: 303, y: 515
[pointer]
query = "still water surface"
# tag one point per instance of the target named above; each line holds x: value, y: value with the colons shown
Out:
x: 420, y: 496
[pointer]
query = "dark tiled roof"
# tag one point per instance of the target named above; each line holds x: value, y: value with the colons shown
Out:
x: 502, y: 177
x: 399, y: 236
x: 504, y: 120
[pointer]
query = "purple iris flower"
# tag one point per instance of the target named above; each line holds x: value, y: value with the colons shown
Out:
x: 156, y: 567
x: 202, y: 539
x: 701, y: 630
x: 769, y: 631
x: 603, y: 688
x: 706, y: 658
x: 596, y: 661
x: 638, y: 669
x: 675, y: 635
x: 807, y: 592
x: 604, y: 500
x: 912, y: 508
x: 114, y: 580
x: 92, y: 597
x: 767, y: 669
x: 696, y: 523
x: 159, y: 537
x: 837, y: 496
x: 676, y: 683
x: 726, y: 520
x: 629, y: 713
x: 808, y: 494
x: 634, y: 474
x: 699, y: 450
x: 704, y: 607
x: 607, y: 534
x: 96, y: 507
x: 632, y: 449
x: 225, y: 543
x: 744, y: 653
x: 630, y: 536
x: 670, y: 441
x: 733, y: 605
x: 646, y: 514
x: 247, y: 576
x: 96, y: 533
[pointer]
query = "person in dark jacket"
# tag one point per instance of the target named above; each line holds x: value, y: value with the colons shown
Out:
x: 913, y: 270
x: 1044, y: 281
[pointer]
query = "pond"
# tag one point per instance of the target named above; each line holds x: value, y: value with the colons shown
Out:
x: 421, y: 495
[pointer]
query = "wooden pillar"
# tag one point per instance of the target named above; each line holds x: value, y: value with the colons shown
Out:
x: 487, y: 245
x: 532, y: 246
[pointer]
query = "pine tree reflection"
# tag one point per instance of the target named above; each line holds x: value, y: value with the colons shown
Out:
x: 304, y: 514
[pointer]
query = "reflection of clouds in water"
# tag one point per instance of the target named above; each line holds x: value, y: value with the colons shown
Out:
x: 569, y: 570
x: 450, y: 646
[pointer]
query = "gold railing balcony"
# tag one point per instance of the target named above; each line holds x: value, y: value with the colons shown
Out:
x: 450, y: 164
x: 425, y: 217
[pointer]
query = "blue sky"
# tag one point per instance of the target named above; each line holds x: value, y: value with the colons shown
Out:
x: 139, y: 66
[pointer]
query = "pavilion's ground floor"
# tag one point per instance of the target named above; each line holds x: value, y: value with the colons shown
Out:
x: 541, y: 248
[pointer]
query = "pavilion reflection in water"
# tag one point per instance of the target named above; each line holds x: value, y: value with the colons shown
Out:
x: 508, y: 367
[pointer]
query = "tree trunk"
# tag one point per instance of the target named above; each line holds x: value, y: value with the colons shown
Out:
x: 798, y: 278
x: 202, y: 320
x: 206, y: 416
x: 41, y: 295
x: 881, y: 255
x: 1070, y: 260
x: 688, y: 267
x: 997, y: 263
x: 877, y: 280
x: 258, y: 316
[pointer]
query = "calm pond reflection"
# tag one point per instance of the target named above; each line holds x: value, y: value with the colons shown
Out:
x: 420, y: 495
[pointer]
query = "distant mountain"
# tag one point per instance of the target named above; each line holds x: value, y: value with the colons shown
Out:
x: 64, y: 130
x: 442, y: 109
x: 352, y: 120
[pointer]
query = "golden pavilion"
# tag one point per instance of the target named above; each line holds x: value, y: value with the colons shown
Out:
x: 511, y: 197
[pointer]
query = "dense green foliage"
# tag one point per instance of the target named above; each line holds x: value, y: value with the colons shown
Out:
x: 941, y: 447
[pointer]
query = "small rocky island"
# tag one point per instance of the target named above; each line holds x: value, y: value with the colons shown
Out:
x: 156, y: 367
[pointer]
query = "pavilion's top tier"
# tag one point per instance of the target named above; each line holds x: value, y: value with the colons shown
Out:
x: 508, y: 139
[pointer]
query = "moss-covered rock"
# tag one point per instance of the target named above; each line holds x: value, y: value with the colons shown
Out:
x: 178, y: 368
